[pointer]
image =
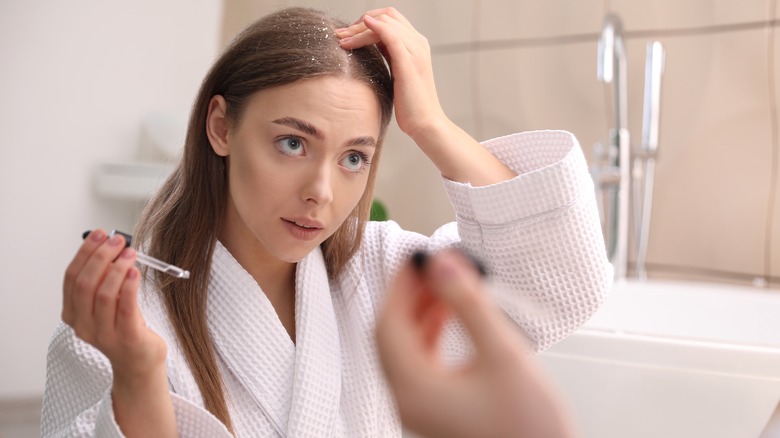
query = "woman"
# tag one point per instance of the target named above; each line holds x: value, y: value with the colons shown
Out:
x: 273, y: 334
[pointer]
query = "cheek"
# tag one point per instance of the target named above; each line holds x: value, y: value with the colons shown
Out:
x: 351, y: 193
x: 251, y: 181
x: 241, y: 180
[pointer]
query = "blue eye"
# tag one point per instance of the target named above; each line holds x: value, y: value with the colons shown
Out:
x: 355, y: 161
x: 290, y: 145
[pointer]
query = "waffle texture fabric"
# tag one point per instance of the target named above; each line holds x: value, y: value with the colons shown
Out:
x: 538, y: 234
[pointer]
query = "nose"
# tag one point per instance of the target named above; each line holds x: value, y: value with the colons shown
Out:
x: 318, y: 186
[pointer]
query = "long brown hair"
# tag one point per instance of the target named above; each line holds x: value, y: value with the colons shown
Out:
x: 181, y: 223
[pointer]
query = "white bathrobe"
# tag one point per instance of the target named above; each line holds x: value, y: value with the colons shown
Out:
x: 538, y: 234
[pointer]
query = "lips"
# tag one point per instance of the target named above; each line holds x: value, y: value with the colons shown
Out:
x: 308, y: 224
x: 302, y: 228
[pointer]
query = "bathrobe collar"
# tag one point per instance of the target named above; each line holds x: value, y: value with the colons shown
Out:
x: 296, y: 386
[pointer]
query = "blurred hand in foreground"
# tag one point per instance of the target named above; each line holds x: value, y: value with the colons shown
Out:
x: 500, y: 392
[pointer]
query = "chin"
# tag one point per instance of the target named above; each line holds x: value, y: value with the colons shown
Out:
x: 293, y: 259
x: 296, y: 256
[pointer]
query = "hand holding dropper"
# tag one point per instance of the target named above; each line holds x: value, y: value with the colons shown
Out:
x: 147, y: 260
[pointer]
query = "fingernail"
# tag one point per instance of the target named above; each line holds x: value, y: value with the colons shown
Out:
x: 97, y: 235
x: 345, y: 40
x: 478, y: 265
x: 128, y: 238
x: 419, y: 260
x: 127, y: 253
x: 369, y: 18
x: 341, y: 30
x: 115, y: 240
x: 132, y: 273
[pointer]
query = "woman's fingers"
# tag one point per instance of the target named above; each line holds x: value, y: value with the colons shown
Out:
x: 389, y: 11
x: 396, y: 35
x: 87, y: 281
x: 358, y: 25
x: 396, y: 320
x: 398, y: 331
x: 352, y: 30
x: 458, y: 283
x: 430, y: 311
x: 362, y: 39
x: 106, y: 297
x: 128, y: 316
x: 399, y: 40
x: 90, y: 244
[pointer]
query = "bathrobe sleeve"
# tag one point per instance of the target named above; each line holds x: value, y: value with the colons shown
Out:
x: 538, y: 234
x: 77, y: 398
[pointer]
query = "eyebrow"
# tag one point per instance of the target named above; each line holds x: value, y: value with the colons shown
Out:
x: 308, y: 128
x: 300, y: 125
x: 362, y: 141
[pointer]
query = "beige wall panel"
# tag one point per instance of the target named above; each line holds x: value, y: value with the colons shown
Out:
x: 512, y: 19
x: 438, y: 20
x: 239, y: 13
x: 410, y: 186
x: 774, y: 242
x: 713, y: 172
x: 348, y: 11
x: 713, y: 175
x: 455, y: 76
x: 542, y: 88
x: 670, y: 14
x: 441, y: 21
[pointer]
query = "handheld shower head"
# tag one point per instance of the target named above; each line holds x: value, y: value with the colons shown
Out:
x: 654, y: 70
x: 609, y: 43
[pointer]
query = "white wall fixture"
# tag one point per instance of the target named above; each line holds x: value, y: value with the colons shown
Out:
x: 162, y: 135
x: 159, y: 147
x: 130, y: 181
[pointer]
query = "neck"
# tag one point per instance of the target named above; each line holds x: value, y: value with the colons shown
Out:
x: 275, y: 277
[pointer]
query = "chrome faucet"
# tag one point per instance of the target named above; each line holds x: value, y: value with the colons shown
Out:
x: 615, y: 176
x: 613, y: 172
x: 644, y: 163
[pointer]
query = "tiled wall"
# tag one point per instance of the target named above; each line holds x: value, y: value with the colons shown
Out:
x: 507, y: 66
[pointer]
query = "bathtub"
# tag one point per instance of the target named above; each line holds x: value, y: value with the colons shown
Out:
x: 673, y: 359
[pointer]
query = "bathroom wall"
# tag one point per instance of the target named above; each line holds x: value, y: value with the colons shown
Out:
x: 506, y: 66
x: 77, y: 79
x: 79, y: 76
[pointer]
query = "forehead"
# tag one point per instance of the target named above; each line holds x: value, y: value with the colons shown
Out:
x: 327, y: 102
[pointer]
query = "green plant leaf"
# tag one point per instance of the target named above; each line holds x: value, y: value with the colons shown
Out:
x: 378, y: 211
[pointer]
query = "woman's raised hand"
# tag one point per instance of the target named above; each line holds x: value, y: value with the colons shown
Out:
x: 417, y: 106
x: 99, y: 303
